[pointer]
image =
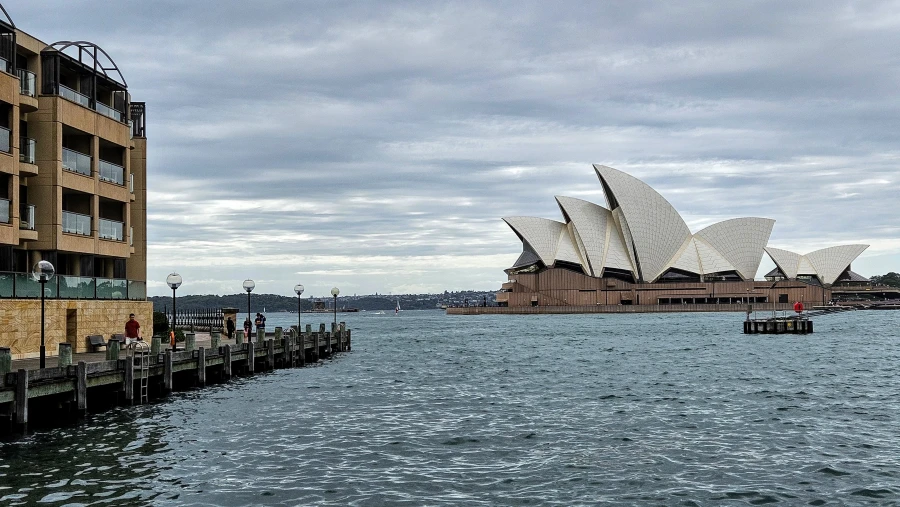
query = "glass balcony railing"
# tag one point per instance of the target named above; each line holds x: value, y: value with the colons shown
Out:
x: 22, y: 285
x: 110, y: 229
x: 131, y: 183
x: 131, y: 236
x: 103, y: 109
x: 26, y: 150
x: 5, y: 144
x: 76, y: 223
x: 76, y: 162
x: 26, y: 217
x: 4, y: 64
x: 27, y: 82
x: 68, y: 93
x: 112, y: 173
x: 4, y: 211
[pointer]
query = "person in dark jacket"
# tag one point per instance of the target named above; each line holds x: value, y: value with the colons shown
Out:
x: 229, y: 328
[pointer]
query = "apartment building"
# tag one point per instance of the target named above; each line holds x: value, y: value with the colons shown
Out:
x: 73, y: 152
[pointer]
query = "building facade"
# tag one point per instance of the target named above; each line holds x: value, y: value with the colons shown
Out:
x: 73, y: 156
x: 639, y: 251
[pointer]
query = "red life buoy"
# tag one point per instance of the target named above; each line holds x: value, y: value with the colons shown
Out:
x: 798, y: 307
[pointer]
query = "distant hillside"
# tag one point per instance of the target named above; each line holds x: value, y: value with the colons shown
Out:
x: 276, y: 303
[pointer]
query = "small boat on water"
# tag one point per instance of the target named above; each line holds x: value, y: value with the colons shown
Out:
x: 397, y: 310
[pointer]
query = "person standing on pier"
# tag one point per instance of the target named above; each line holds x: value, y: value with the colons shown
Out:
x: 248, y: 327
x: 229, y: 328
x: 132, y: 330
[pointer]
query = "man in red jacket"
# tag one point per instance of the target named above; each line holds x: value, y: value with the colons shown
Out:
x: 132, y: 330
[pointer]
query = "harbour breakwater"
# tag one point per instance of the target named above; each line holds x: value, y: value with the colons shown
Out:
x: 45, y: 395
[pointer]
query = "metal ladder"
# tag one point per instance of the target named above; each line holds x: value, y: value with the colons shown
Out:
x: 139, y: 353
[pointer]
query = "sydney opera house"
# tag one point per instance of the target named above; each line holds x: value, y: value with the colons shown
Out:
x: 639, y: 251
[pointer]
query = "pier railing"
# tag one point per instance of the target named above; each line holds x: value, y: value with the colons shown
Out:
x: 204, y: 319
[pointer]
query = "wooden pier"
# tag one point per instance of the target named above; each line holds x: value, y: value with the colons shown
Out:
x: 40, y: 396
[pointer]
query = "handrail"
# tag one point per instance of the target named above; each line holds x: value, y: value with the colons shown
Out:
x: 76, y: 97
x: 76, y: 161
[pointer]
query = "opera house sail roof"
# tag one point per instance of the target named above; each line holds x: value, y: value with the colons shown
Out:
x: 640, y: 237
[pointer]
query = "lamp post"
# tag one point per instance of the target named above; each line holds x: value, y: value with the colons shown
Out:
x: 299, y: 290
x: 249, y: 285
x: 42, y: 272
x: 334, y: 292
x: 174, y: 281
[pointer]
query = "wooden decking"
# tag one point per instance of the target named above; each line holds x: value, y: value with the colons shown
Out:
x: 67, y: 389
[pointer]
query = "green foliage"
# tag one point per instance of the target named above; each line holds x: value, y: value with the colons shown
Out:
x: 160, y: 323
x: 891, y: 279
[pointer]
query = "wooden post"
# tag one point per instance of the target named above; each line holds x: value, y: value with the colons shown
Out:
x: 65, y: 355
x: 270, y: 354
x: 129, y: 379
x: 201, y: 367
x: 155, y: 345
x: 260, y: 335
x: 22, y: 397
x: 5, y: 362
x: 327, y: 341
x: 81, y: 387
x: 239, y: 337
x: 112, y: 349
x: 227, y: 361
x: 316, y: 337
x: 349, y: 346
x: 215, y: 338
x: 343, y: 337
x: 327, y: 344
x: 279, y: 332
x: 251, y: 357
x: 307, y: 337
x: 190, y: 340
x: 167, y: 372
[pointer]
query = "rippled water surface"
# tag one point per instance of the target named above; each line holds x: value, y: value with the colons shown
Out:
x: 429, y: 409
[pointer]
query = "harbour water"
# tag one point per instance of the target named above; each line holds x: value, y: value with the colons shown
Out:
x: 429, y: 409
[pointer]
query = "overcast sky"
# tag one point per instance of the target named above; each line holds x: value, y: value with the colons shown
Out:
x: 374, y: 146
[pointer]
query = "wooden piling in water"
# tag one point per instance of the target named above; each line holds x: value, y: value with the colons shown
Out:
x: 227, y: 362
x: 129, y: 379
x: 5, y: 361
x: 201, y: 367
x: 21, y: 407
x: 168, y: 374
x: 64, y: 357
x: 113, y: 347
x: 270, y: 354
x: 239, y: 337
x: 81, y: 387
x: 251, y: 358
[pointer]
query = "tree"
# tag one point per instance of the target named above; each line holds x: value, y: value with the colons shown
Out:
x: 891, y: 279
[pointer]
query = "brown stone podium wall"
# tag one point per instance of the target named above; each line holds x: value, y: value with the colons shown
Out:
x: 66, y: 321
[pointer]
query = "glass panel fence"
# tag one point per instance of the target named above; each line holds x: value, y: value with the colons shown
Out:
x: 110, y: 288
x: 110, y: 229
x: 112, y: 173
x: 76, y: 223
x: 76, y: 287
x: 137, y: 290
x: 5, y: 145
x: 74, y: 96
x: 4, y: 211
x: 108, y: 111
x: 26, y: 150
x: 27, y: 82
x: 77, y: 162
x: 27, y: 287
x: 4, y: 64
x: 6, y: 285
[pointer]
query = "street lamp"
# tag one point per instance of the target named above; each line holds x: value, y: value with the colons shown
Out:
x: 299, y: 290
x: 249, y: 285
x: 173, y: 281
x: 42, y: 272
x: 334, y: 292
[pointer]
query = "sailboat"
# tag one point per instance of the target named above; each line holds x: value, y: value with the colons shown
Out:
x: 397, y: 310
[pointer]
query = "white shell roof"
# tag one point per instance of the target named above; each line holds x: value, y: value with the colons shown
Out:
x: 590, y: 222
x: 540, y: 233
x: 642, y: 230
x: 788, y: 262
x: 658, y: 231
x: 740, y: 241
x: 831, y: 262
x: 827, y: 263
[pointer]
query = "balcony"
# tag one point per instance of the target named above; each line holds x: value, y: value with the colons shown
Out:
x: 4, y: 211
x: 22, y: 285
x: 26, y: 150
x: 75, y: 161
x: 5, y: 144
x: 110, y: 229
x: 103, y: 109
x: 112, y: 173
x: 76, y: 223
x: 131, y: 183
x: 26, y: 217
x: 70, y: 94
x: 27, y: 82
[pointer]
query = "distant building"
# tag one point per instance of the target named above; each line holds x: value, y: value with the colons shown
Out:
x: 73, y: 153
x: 639, y: 251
